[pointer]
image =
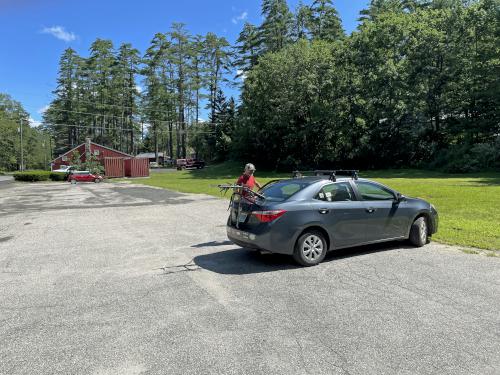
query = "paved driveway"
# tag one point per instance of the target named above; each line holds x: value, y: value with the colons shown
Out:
x: 121, y: 279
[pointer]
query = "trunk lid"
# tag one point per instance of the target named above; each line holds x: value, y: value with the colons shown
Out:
x: 242, y: 210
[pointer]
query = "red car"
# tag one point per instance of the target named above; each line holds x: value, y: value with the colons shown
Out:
x: 84, y: 176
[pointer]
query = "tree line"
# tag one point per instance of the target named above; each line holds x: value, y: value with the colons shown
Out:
x: 100, y: 96
x: 16, y: 134
x: 415, y: 85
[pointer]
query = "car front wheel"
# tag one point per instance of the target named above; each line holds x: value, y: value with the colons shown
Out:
x: 310, y: 249
x: 97, y: 180
x: 419, y: 234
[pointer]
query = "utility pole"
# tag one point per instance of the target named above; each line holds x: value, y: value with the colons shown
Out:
x: 21, y: 167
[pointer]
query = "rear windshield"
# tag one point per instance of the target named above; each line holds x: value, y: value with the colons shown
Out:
x: 281, y: 191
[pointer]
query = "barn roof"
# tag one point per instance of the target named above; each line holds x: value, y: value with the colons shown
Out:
x: 95, y: 144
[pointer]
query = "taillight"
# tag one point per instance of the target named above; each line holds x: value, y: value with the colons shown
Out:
x: 268, y: 216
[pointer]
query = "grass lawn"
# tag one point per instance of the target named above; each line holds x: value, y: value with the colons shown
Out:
x: 468, y: 205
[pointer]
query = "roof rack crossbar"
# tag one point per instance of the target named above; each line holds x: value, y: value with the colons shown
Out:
x: 353, y: 173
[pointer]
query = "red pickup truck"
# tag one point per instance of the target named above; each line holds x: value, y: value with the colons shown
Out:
x: 190, y: 163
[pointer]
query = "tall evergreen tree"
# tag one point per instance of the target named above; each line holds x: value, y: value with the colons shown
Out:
x: 217, y: 61
x: 302, y: 20
x: 180, y: 54
x: 248, y: 48
x: 155, y: 93
x: 100, y: 67
x: 324, y: 21
x: 60, y: 115
x: 276, y: 30
x: 125, y: 94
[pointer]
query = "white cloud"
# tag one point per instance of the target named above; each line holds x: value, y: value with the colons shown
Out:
x: 42, y: 110
x: 34, y: 123
x: 243, y: 16
x: 60, y: 33
x: 138, y: 88
x: 241, y: 74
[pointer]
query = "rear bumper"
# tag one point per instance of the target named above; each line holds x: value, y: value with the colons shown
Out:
x: 263, y: 241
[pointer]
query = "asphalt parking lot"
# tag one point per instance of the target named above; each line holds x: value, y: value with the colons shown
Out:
x: 115, y: 278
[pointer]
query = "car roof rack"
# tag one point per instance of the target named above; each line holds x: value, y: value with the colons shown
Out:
x: 331, y: 174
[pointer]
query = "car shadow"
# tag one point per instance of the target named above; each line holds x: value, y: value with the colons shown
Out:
x: 213, y: 243
x: 241, y: 261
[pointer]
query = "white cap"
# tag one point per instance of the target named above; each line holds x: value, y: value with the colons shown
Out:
x: 249, y: 167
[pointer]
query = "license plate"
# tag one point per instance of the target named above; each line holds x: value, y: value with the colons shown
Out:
x: 242, y: 218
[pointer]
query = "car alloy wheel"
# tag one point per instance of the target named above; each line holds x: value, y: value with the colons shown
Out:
x: 97, y: 180
x: 310, y: 249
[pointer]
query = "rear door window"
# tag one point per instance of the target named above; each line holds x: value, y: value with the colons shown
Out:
x: 374, y: 192
x: 338, y: 192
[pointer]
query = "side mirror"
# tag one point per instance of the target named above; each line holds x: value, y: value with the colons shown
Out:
x: 400, y: 197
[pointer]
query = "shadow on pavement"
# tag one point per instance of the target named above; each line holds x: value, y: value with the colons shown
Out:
x: 213, y: 243
x: 241, y: 261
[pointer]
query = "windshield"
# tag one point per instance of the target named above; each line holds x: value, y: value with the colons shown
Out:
x: 281, y: 191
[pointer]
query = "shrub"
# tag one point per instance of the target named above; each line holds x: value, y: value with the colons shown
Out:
x: 32, y: 176
x: 468, y: 158
x: 58, y: 176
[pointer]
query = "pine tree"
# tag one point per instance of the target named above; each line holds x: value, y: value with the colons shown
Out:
x: 155, y: 93
x: 302, y: 22
x: 100, y: 66
x: 217, y: 62
x: 276, y: 30
x: 125, y: 93
x: 324, y: 21
x: 179, y: 52
x: 247, y: 48
x: 198, y: 80
x: 60, y: 116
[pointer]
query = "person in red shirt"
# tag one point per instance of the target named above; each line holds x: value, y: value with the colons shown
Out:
x: 247, y: 179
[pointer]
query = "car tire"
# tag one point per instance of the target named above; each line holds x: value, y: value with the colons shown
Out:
x: 310, y: 248
x: 97, y: 180
x: 73, y: 181
x: 419, y: 232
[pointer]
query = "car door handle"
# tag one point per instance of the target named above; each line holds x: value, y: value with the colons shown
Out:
x: 370, y: 210
x: 324, y: 210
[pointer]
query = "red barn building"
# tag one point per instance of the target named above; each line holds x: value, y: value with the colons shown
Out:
x: 116, y: 163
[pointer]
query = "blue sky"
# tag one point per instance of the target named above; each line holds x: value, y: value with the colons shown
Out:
x: 33, y: 33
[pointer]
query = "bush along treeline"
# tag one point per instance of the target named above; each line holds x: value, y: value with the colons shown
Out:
x: 39, y: 175
x: 416, y: 85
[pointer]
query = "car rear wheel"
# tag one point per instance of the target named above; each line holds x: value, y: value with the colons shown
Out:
x: 310, y: 249
x: 419, y: 234
x: 73, y: 181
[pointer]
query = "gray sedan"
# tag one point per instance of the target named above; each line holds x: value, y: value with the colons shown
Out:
x: 307, y: 217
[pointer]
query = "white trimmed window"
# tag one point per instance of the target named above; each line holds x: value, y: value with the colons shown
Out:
x: 64, y: 158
